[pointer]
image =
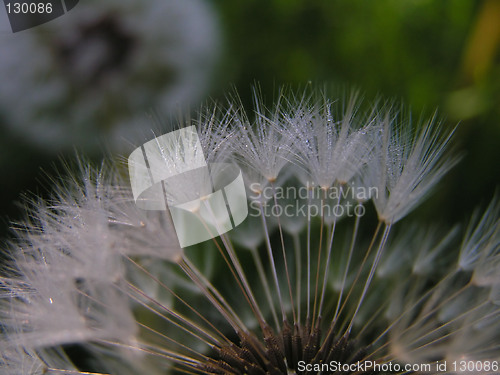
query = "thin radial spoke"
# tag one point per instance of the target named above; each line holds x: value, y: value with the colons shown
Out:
x: 273, y: 265
x: 287, y: 272
x: 267, y: 290
x: 347, y: 266
x: 378, y: 254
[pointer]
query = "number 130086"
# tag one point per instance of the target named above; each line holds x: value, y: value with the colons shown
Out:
x: 476, y: 366
x: 29, y: 8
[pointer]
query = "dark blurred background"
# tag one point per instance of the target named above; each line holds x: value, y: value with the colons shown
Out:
x: 427, y: 54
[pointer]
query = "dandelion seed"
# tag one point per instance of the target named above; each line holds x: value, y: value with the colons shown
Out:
x: 290, y: 291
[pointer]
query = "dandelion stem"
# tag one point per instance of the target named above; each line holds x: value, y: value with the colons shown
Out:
x: 328, y: 257
x: 365, y: 258
x: 411, y: 308
x: 185, y: 322
x: 327, y: 266
x: 308, y: 238
x: 260, y: 270
x: 242, y: 281
x: 273, y: 265
x: 163, y: 286
x: 380, y: 249
x: 284, y: 257
x: 318, y: 267
x: 347, y: 266
x: 234, y: 259
x: 298, y: 271
x: 232, y: 317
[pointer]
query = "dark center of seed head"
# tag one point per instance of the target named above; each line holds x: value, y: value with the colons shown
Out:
x: 286, y: 353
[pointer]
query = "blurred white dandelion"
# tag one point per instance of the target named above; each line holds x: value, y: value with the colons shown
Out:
x: 289, y: 291
x: 94, y: 73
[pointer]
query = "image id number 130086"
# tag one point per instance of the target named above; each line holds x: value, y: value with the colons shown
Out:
x: 29, y: 8
x: 27, y: 14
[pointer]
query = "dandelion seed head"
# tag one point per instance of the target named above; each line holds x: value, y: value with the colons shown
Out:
x: 294, y: 285
x: 116, y: 60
